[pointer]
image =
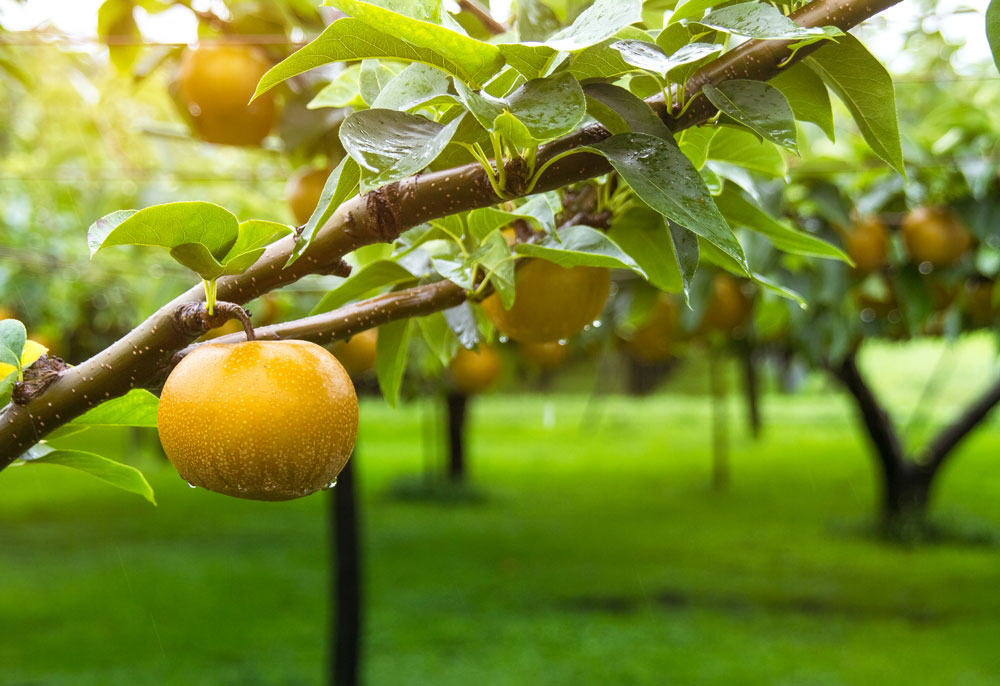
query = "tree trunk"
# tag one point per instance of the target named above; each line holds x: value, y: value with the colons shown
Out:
x: 720, y: 420
x: 457, y: 412
x: 645, y: 377
x: 905, y: 500
x: 751, y: 387
x: 345, y: 651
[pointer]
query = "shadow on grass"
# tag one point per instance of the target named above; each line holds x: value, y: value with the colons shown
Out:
x: 675, y: 600
x: 419, y: 488
x: 951, y: 528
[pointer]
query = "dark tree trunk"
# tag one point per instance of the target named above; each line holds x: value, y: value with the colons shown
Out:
x: 457, y: 411
x: 905, y: 499
x: 751, y: 386
x: 345, y: 651
x: 720, y: 420
x: 644, y: 377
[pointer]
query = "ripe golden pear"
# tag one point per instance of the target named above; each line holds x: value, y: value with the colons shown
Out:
x: 262, y: 420
x: 551, y: 302
x: 358, y: 353
x: 935, y: 235
x: 216, y: 83
x: 474, y: 371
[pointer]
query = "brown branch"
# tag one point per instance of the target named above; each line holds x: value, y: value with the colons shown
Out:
x: 944, y: 443
x: 881, y: 430
x: 484, y: 17
x: 379, y: 216
x: 352, y: 319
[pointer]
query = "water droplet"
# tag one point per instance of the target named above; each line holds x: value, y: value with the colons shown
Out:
x: 597, y: 323
x: 331, y: 484
x: 868, y: 315
x: 192, y: 486
x: 503, y: 339
x: 926, y: 267
x: 563, y: 341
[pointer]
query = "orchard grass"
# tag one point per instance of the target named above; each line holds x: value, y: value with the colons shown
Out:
x: 598, y: 554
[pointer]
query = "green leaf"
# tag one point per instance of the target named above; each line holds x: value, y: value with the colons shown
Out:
x: 251, y: 239
x: 462, y: 321
x: 603, y: 61
x: 13, y: 336
x: 414, y: 86
x: 713, y: 255
x: 581, y: 246
x: 477, y: 60
x: 351, y: 39
x: 371, y: 277
x: 634, y: 113
x: 343, y: 91
x: 993, y: 29
x: 115, y: 19
x: 665, y: 179
x: 135, y: 408
x: 685, y: 245
x: 393, y: 145
x: 438, y: 336
x: 600, y: 21
x: 537, y: 210
x: 340, y: 185
x: 690, y: 9
x: 390, y: 357
x: 650, y: 57
x: 115, y: 473
x: 745, y: 150
x: 7, y: 387
x: 494, y: 257
x: 372, y: 78
x: 168, y: 226
x: 530, y: 60
x: 642, y: 234
x: 542, y: 110
x: 198, y: 234
x: 485, y: 108
x: 503, y: 83
x: 865, y: 87
x: 254, y: 236
x: 757, y: 105
x: 539, y: 110
x: 740, y: 211
x: 807, y: 95
x: 695, y: 142
x: 761, y: 20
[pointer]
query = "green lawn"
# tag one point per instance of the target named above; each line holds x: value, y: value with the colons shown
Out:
x: 598, y: 556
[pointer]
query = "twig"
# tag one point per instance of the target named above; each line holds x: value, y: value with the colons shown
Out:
x: 484, y: 17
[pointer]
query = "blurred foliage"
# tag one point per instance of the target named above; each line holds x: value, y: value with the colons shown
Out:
x: 82, y: 141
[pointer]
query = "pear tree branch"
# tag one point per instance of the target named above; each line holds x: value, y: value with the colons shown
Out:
x: 378, y: 216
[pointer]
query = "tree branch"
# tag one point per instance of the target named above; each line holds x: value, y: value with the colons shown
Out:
x: 484, y: 17
x: 876, y: 419
x: 944, y: 443
x: 379, y: 216
x: 352, y: 319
